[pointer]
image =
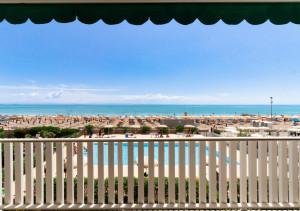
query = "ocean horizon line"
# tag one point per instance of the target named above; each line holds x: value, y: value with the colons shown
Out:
x: 55, y: 104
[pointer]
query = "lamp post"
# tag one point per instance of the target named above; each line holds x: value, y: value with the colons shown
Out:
x: 271, y: 106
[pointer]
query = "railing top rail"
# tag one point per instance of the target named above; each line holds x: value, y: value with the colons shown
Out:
x: 152, y: 139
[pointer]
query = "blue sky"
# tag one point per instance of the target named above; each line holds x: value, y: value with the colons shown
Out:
x: 169, y: 64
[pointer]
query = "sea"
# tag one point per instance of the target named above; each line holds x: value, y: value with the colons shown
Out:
x: 148, y: 110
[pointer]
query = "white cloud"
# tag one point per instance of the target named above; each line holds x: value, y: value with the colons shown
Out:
x: 55, y: 87
x: 55, y: 94
x: 34, y: 94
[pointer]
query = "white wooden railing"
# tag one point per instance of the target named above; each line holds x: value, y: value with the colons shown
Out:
x: 271, y: 166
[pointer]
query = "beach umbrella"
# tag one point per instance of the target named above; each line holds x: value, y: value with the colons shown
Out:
x: 263, y: 128
x: 4, y: 120
x: 135, y: 127
x: 230, y: 119
x: 108, y: 126
x: 208, y: 119
x: 295, y: 120
x: 161, y: 126
x: 219, y: 119
x: 189, y: 126
x: 240, y: 119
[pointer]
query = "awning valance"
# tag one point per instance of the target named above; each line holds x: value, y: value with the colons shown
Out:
x: 157, y: 13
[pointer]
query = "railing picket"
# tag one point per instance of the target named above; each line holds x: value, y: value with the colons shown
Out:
x: 1, y: 176
x: 273, y: 179
x: 80, y: 177
x: 262, y: 172
x: 120, y: 173
x: 161, y: 172
x: 29, y: 172
x: 70, y: 176
x: 130, y: 174
x: 252, y: 156
x: 101, y: 198
x: 59, y: 173
x: 8, y: 173
x: 243, y: 172
x: 19, y: 189
x: 202, y: 172
x: 293, y: 172
x: 182, y: 190
x: 283, y: 179
x: 111, y: 173
x: 90, y: 188
x: 232, y: 172
x: 171, y: 185
x: 49, y: 173
x: 222, y: 173
x: 141, y: 194
x: 192, y: 173
x: 151, y: 173
x: 212, y: 173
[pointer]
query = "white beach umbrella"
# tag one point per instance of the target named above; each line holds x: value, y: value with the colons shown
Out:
x: 189, y: 126
x: 263, y: 128
x: 108, y: 126
x: 135, y: 126
x: 161, y: 126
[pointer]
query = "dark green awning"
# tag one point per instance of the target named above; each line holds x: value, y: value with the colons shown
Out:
x: 157, y: 13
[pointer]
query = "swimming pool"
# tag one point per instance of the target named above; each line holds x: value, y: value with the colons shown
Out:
x: 135, y: 153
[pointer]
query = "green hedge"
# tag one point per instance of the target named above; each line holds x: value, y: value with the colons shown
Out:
x: 145, y: 129
x: 179, y: 128
x: 217, y: 131
x: 124, y: 129
x: 89, y: 128
x: 108, y: 130
x: 35, y: 130
x: 125, y: 188
x: 67, y: 132
x: 45, y: 132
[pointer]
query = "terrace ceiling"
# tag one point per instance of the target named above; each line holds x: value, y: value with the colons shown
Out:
x: 138, y: 12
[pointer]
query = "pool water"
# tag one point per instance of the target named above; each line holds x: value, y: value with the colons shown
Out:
x: 135, y: 153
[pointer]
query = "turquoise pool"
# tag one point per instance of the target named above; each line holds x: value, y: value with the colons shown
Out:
x: 135, y: 153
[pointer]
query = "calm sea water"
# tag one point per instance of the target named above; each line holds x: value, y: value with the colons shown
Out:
x: 149, y: 110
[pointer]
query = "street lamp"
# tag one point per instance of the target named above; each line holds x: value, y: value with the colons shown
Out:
x: 271, y: 106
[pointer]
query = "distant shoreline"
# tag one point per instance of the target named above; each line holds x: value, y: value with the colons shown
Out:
x: 146, y: 110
